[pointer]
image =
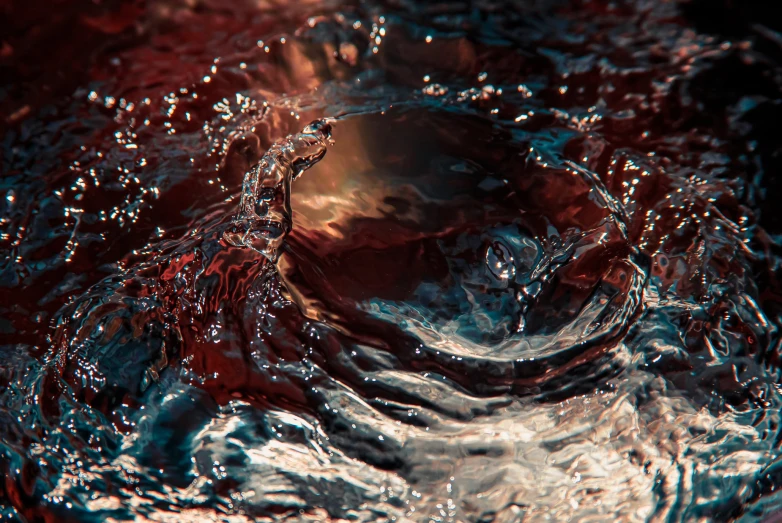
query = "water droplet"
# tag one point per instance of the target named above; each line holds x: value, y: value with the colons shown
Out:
x: 500, y: 262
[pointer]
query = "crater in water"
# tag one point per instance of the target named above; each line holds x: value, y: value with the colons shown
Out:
x: 400, y: 226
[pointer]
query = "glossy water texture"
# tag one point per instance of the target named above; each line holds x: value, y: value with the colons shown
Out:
x: 530, y: 272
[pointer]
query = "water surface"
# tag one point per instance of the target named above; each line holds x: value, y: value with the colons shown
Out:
x: 522, y: 266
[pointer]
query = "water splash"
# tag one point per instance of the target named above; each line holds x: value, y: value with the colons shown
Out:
x: 264, y: 217
x: 536, y: 278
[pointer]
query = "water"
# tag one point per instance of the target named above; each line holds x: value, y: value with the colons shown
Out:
x: 522, y: 266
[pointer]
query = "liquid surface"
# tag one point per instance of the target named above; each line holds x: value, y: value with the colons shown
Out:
x: 522, y: 266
